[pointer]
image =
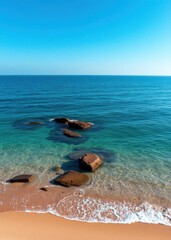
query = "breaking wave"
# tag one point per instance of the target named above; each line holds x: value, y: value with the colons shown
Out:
x: 77, y: 207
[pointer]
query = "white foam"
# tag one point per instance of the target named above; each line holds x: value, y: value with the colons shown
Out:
x: 51, y: 119
x: 92, y: 210
x: 73, y: 120
x: 91, y: 123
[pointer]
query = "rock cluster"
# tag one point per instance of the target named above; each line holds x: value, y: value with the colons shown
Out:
x: 73, y: 123
x: 89, y: 162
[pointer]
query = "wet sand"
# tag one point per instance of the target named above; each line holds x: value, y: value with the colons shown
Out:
x: 32, y: 226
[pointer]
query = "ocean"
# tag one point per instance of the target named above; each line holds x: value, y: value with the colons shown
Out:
x: 131, y: 118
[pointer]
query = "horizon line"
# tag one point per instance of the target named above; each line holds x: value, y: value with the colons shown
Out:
x: 131, y: 75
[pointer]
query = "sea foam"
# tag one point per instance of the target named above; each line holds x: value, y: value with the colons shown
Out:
x: 93, y: 210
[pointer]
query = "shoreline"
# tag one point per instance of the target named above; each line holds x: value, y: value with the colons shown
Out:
x: 33, y: 226
x: 78, y: 205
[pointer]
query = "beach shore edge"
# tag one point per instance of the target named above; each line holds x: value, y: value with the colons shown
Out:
x: 34, y: 226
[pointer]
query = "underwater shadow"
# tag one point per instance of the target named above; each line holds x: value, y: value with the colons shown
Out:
x: 105, y: 155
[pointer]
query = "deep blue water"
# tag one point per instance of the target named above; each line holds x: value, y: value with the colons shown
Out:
x: 132, y: 125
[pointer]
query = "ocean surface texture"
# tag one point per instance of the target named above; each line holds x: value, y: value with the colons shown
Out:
x: 132, y: 131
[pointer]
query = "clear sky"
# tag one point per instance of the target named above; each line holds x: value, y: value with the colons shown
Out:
x: 85, y: 37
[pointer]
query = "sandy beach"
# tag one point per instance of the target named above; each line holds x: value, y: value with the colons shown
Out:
x: 32, y: 226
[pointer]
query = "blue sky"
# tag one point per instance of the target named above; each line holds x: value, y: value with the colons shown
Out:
x: 85, y: 37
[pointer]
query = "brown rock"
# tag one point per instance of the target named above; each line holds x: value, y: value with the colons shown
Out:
x: 43, y: 189
x: 105, y: 155
x: 21, y: 178
x: 69, y: 133
x: 79, y: 125
x: 72, y: 178
x: 62, y: 120
x: 90, y: 161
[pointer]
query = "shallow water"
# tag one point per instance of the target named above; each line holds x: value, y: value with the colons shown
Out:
x: 132, y: 126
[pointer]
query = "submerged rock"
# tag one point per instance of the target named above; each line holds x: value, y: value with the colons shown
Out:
x: 30, y: 124
x: 56, y: 135
x: 90, y: 162
x: 21, y: 178
x: 79, y: 125
x: 57, y: 170
x: 35, y: 123
x: 69, y: 133
x: 72, y: 178
x: 105, y: 155
x: 62, y: 120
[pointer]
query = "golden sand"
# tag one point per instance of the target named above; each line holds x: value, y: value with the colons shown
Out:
x: 32, y: 226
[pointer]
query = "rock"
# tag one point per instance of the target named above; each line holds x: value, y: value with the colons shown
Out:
x: 57, y: 170
x: 69, y: 133
x: 72, y: 178
x: 29, y: 124
x: 43, y: 189
x: 56, y: 135
x: 79, y: 125
x: 90, y: 162
x: 62, y: 120
x: 105, y: 155
x: 21, y: 178
x: 35, y: 123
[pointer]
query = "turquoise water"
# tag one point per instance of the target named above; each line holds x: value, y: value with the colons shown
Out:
x: 132, y: 126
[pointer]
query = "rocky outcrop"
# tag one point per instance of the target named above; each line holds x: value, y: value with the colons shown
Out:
x: 71, y: 134
x: 79, y: 125
x: 90, y: 162
x: 73, y: 123
x: 62, y: 120
x: 72, y: 178
x: 24, y: 178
